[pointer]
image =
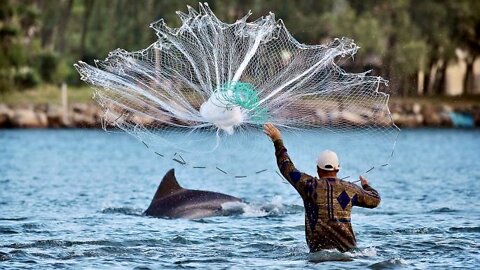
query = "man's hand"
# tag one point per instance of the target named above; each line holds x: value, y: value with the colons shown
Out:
x: 363, y: 181
x: 272, y: 131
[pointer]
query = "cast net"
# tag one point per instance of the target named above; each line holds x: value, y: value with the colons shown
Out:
x: 210, y: 84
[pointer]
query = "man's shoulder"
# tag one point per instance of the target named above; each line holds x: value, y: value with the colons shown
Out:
x: 347, y: 184
x: 307, y: 176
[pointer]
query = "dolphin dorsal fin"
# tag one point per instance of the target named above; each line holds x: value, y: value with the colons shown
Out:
x: 168, y: 185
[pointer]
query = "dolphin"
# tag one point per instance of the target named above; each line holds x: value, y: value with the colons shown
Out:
x: 173, y: 201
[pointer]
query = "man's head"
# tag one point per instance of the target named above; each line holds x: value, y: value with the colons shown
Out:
x: 327, y: 164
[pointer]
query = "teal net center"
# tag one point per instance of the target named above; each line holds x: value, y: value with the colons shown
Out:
x: 245, y: 95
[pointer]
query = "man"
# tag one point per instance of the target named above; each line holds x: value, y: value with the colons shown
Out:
x: 328, y: 200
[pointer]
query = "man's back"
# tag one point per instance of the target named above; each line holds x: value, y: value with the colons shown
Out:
x: 328, y: 203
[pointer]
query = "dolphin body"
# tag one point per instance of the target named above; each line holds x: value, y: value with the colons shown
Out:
x: 173, y: 201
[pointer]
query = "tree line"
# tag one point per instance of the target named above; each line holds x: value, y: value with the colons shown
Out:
x: 406, y: 41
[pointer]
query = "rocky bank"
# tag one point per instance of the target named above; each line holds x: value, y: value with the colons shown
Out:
x: 89, y: 115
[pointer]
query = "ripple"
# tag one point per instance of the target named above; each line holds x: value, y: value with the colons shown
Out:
x: 31, y: 226
x: 408, y: 231
x: 421, y: 230
x: 181, y: 240
x: 263, y: 246
x: 123, y: 210
x: 389, y: 264
x: 14, y: 219
x: 4, y: 256
x: 7, y: 230
x: 42, y: 255
x: 443, y: 210
x: 210, y: 220
x: 210, y: 260
x: 95, y: 253
x: 56, y: 243
x: 41, y: 244
x: 382, y: 213
x: 142, y: 242
x: 465, y: 229
x: 23, y: 256
x: 104, y: 251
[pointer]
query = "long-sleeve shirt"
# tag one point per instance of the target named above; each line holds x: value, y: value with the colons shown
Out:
x: 328, y: 203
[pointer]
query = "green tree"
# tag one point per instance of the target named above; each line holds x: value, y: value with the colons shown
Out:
x: 19, y: 22
x: 466, y: 33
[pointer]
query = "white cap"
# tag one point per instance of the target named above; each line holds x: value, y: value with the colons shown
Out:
x: 328, y: 161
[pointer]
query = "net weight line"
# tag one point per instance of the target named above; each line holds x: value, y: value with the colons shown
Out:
x: 178, y: 158
x: 381, y: 166
x: 182, y: 162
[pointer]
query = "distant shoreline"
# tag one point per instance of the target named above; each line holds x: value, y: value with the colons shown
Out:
x: 405, y: 113
x: 44, y: 106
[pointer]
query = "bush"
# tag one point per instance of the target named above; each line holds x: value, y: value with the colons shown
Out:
x: 52, y: 68
x: 26, y: 77
x: 47, y: 64
x: 64, y: 71
x: 6, y: 81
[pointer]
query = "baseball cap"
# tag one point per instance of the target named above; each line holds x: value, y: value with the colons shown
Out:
x: 328, y: 161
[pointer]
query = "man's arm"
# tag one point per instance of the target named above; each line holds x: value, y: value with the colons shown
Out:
x: 367, y: 196
x: 285, y: 165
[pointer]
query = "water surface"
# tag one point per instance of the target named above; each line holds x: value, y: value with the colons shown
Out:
x: 74, y: 199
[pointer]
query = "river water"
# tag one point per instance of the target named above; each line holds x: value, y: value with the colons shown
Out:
x: 74, y: 199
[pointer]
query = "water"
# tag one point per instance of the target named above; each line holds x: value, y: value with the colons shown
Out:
x: 74, y: 199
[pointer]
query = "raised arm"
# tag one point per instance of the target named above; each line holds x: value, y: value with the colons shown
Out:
x: 367, y: 196
x: 285, y: 165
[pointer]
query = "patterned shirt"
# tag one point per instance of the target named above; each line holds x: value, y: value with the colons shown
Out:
x: 328, y: 204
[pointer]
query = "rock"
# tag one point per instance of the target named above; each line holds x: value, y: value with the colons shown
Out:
x: 55, y: 117
x: 41, y: 107
x: 29, y: 119
x: 431, y: 117
x: 409, y: 120
x: 352, y: 119
x: 321, y: 116
x: 142, y: 120
x: 84, y: 121
x: 86, y: 115
x: 111, y: 116
x: 80, y: 108
x: 419, y: 120
x: 23, y: 106
x: 407, y: 108
x: 396, y: 108
x: 416, y: 108
x: 446, y: 108
x: 5, y: 115
x: 382, y: 120
x: 445, y: 120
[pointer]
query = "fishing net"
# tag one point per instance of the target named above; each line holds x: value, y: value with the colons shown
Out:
x: 209, y: 84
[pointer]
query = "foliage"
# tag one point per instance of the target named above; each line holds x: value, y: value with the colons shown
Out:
x: 41, y: 39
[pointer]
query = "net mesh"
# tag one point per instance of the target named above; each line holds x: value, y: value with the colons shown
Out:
x: 207, y: 82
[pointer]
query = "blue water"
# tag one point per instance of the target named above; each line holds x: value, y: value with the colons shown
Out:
x: 74, y: 199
